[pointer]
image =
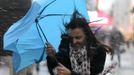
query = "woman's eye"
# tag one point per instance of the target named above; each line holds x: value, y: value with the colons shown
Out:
x: 77, y: 37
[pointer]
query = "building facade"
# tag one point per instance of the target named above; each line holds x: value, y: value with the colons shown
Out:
x: 10, y: 12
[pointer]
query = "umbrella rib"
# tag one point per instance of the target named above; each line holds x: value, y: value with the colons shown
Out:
x: 43, y: 33
x: 96, y: 21
x: 38, y: 31
x: 41, y: 58
x: 97, y: 29
x: 54, y: 15
x: 46, y: 7
x: 38, y: 25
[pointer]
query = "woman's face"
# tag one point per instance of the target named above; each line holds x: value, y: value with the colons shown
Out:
x: 77, y: 37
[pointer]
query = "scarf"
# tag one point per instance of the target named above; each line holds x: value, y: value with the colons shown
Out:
x: 79, y: 62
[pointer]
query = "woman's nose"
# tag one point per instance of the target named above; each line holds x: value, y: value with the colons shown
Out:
x: 74, y: 41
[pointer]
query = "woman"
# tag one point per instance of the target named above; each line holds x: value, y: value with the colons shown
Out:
x: 80, y: 53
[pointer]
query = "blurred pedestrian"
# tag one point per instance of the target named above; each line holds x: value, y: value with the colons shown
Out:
x: 116, y: 40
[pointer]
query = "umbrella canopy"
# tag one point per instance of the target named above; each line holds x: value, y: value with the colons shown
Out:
x: 27, y: 37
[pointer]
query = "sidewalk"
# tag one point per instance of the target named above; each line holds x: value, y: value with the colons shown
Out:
x: 127, y: 63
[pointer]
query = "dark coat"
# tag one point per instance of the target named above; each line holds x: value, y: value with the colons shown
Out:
x: 97, y: 63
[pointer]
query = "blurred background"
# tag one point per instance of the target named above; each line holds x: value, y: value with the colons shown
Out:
x: 114, y: 18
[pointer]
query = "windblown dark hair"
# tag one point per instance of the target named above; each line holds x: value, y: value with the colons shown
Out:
x: 78, y: 21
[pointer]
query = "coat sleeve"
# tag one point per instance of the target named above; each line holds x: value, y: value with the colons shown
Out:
x: 63, y: 58
x: 51, y: 64
x: 97, y: 63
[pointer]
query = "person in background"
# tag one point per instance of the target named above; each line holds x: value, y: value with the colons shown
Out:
x: 116, y: 39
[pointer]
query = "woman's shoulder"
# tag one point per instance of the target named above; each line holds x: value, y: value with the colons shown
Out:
x: 101, y: 49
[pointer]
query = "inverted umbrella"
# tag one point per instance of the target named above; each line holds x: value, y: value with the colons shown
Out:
x: 27, y: 37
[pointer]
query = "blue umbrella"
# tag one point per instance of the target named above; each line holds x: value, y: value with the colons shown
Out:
x: 43, y: 23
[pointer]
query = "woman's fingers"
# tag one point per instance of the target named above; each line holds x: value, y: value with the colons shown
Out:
x: 62, y: 70
x: 48, y: 45
x: 50, y: 49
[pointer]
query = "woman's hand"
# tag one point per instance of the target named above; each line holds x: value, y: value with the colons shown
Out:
x: 50, y: 50
x: 62, y: 70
